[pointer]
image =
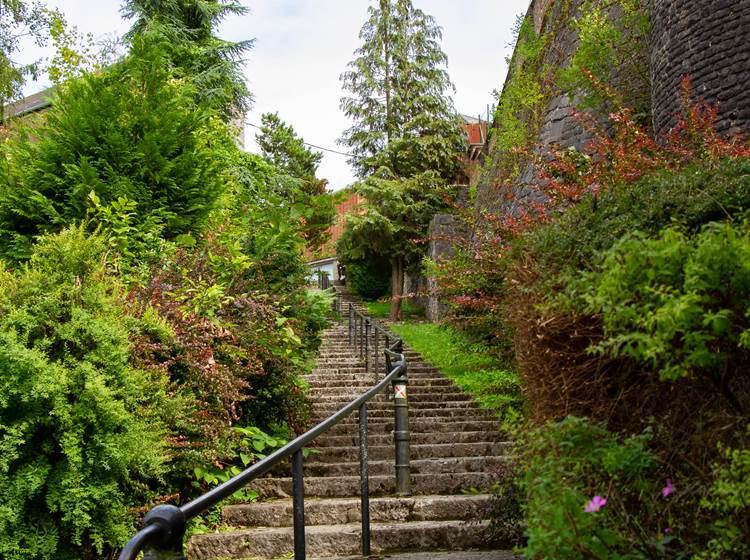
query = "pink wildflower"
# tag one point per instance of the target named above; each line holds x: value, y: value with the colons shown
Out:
x: 595, y: 504
x: 668, y: 489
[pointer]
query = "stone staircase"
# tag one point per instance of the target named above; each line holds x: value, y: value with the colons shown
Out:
x: 456, y: 452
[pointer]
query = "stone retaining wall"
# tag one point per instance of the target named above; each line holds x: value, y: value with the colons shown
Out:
x: 709, y: 40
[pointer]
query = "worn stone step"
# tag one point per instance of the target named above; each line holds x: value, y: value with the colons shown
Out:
x: 339, y: 511
x: 415, y: 413
x: 380, y: 485
x: 323, y: 377
x: 418, y: 451
x: 464, y: 413
x: 364, y: 385
x: 416, y: 438
x: 353, y: 388
x: 421, y: 397
x: 417, y: 425
x: 377, y: 409
x: 417, y: 466
x: 338, y: 540
x: 383, y: 408
x: 494, y: 554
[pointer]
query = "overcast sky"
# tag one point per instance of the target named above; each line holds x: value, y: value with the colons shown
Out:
x: 302, y: 46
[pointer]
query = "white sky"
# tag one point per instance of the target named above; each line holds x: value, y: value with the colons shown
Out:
x: 302, y: 46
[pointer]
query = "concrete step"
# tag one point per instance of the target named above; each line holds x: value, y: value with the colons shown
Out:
x: 339, y: 511
x: 338, y: 540
x: 380, y: 485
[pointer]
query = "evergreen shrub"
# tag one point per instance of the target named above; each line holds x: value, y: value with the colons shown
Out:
x: 369, y: 278
x: 128, y: 135
x: 81, y: 441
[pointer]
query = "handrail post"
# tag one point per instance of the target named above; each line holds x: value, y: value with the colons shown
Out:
x: 367, y: 344
x: 351, y: 320
x: 298, y: 505
x: 172, y: 522
x: 377, y: 354
x: 364, y: 480
x: 401, y: 431
x: 361, y: 338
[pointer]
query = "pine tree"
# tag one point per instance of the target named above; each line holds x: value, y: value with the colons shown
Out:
x: 281, y: 147
x: 404, y: 122
x: 212, y: 64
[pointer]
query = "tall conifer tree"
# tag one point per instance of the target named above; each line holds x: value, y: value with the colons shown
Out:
x: 403, y: 117
x: 212, y: 64
x: 406, y: 139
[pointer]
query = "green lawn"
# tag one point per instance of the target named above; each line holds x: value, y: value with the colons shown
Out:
x: 471, y: 366
x: 380, y: 309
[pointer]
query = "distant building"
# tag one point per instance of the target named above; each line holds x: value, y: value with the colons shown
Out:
x: 324, y: 261
x: 476, y: 133
x: 31, y: 104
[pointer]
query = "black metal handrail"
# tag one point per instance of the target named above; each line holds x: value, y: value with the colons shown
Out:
x: 164, y: 526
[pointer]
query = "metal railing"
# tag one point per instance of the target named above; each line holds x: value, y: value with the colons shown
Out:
x: 162, y: 535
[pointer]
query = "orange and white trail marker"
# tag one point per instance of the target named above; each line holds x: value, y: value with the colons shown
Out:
x: 399, y: 391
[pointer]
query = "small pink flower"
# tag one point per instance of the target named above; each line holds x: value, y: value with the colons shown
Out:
x: 595, y: 504
x: 668, y: 489
x: 667, y: 530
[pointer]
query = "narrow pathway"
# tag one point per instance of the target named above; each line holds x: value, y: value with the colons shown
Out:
x: 455, y: 448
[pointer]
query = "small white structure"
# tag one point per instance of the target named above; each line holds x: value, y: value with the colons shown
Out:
x: 328, y: 267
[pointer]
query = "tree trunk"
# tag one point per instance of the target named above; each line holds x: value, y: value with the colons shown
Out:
x: 397, y: 288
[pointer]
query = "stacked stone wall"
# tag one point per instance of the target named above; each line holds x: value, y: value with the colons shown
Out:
x: 708, y: 40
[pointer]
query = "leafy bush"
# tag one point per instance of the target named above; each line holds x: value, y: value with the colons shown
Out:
x: 612, y: 50
x: 691, y: 198
x: 369, y: 278
x: 232, y: 347
x: 679, y: 305
x: 592, y: 494
x: 728, y: 501
x: 82, y: 442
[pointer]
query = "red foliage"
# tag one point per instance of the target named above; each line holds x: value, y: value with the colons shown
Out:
x: 622, y: 151
x: 222, y: 362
